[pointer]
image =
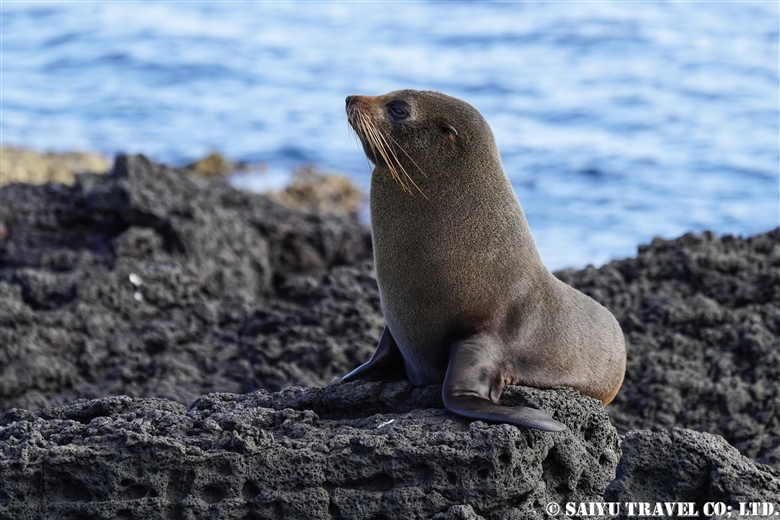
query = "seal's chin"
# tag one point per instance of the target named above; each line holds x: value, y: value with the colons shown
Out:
x: 369, y: 152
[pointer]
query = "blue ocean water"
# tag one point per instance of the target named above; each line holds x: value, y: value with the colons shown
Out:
x: 616, y: 121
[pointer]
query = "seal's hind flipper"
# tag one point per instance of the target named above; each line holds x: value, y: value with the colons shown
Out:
x: 387, y: 363
x: 473, y: 378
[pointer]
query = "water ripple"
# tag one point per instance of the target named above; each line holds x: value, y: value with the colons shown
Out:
x: 616, y: 121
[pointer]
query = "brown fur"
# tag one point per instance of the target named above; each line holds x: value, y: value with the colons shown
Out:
x: 454, y: 256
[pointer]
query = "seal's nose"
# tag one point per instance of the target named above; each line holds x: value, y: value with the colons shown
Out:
x: 349, y: 98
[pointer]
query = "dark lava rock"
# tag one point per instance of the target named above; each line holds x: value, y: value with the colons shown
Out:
x: 696, y: 467
x: 150, y: 283
x: 349, y: 450
x: 701, y: 316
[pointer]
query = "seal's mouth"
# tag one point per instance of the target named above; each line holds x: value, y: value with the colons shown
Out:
x: 358, y: 121
x: 377, y: 142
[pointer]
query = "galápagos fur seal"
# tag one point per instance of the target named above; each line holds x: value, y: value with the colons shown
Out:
x: 466, y: 298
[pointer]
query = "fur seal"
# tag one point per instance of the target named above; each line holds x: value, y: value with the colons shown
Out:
x: 465, y: 295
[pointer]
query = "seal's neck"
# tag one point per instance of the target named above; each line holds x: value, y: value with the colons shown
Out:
x: 479, y: 211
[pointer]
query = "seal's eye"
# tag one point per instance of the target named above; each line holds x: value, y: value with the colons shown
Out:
x: 398, y: 109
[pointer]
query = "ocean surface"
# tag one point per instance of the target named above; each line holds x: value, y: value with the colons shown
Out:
x: 617, y: 121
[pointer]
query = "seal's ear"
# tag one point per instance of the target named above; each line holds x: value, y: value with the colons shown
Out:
x: 448, y: 129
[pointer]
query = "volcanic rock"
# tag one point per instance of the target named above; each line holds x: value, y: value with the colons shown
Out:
x: 347, y: 451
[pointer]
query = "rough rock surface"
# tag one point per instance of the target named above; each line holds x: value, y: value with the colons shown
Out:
x: 150, y: 283
x: 350, y: 450
x: 696, y: 467
x: 147, y: 283
x: 701, y: 316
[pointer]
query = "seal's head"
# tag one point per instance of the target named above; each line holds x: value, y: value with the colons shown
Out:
x: 411, y: 133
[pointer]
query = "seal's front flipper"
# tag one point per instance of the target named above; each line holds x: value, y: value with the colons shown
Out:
x: 473, y: 377
x: 387, y: 363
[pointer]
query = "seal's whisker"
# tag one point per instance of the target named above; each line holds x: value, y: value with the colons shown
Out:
x: 400, y: 165
x: 352, y: 134
x: 385, y: 151
x: 356, y: 137
x: 398, y: 162
x: 367, y: 131
x: 363, y: 135
x: 388, y: 155
x: 404, y: 169
x: 406, y: 154
x: 370, y: 138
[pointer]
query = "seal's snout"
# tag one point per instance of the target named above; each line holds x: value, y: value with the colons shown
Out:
x: 358, y: 109
x: 358, y: 102
x: 351, y: 107
x: 352, y: 104
x: 355, y: 102
x: 367, y: 117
